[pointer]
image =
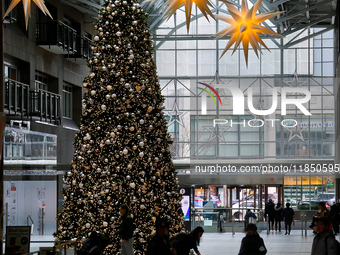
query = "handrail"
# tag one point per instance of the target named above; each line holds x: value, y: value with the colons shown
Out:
x: 31, y: 252
x: 59, y: 22
x: 47, y: 92
x: 32, y: 225
x: 18, y: 82
x: 67, y: 243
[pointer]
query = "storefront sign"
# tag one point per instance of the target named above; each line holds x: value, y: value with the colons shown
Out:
x: 17, y: 240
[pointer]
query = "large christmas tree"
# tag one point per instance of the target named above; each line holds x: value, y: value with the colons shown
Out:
x: 122, y: 150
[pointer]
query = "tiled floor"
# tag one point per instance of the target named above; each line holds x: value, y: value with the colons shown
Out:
x: 228, y: 244
x: 276, y: 243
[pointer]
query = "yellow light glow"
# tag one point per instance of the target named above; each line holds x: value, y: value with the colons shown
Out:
x: 173, y: 5
x: 244, y: 27
x: 27, y: 8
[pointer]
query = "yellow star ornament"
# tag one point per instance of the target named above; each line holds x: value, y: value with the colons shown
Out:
x: 27, y: 8
x: 173, y: 5
x: 245, y: 27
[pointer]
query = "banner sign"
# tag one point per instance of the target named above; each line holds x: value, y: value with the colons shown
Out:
x: 17, y: 240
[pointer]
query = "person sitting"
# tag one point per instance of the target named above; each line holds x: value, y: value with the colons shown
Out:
x: 252, y: 243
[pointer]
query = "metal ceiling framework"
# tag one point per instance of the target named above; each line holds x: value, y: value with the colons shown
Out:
x: 298, y: 17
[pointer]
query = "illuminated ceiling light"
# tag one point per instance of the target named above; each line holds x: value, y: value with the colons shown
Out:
x: 173, y: 5
x: 245, y: 27
x: 27, y: 8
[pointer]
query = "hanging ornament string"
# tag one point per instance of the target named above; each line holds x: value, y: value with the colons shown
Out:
x: 27, y: 8
x: 245, y: 27
x: 173, y: 5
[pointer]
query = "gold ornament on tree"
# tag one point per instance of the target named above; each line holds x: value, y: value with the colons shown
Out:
x: 245, y: 27
x: 173, y: 5
x: 27, y: 8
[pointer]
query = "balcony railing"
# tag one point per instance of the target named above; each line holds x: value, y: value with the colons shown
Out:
x: 16, y: 98
x: 45, y: 105
x: 55, y: 33
x: 83, y: 49
x: 41, y: 104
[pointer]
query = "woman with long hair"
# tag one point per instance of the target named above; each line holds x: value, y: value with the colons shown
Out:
x: 188, y: 242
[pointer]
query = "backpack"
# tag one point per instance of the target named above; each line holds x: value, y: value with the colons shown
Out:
x: 336, y: 242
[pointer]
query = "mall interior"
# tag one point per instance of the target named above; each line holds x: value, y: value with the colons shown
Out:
x: 225, y: 162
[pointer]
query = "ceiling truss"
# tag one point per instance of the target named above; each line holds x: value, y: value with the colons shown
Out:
x: 298, y: 17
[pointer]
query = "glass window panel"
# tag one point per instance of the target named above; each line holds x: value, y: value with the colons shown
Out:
x: 186, y: 63
x: 328, y: 69
x: 206, y: 62
x: 229, y: 150
x: 327, y: 54
x: 317, y: 55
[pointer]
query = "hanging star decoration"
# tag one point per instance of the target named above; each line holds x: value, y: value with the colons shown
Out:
x: 175, y: 115
x: 295, y: 132
x: 295, y: 83
x: 173, y: 5
x: 245, y: 27
x: 216, y: 133
x: 27, y: 8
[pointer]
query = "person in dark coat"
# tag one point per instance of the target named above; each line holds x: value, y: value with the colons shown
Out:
x: 335, y: 217
x: 125, y: 231
x: 188, y: 242
x: 252, y: 243
x: 278, y: 216
x: 269, y: 211
x: 159, y: 244
x: 324, y: 242
x: 248, y: 217
x: 288, y: 216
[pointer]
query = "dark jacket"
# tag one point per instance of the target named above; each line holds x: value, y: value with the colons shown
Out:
x: 269, y: 209
x: 251, y: 245
x: 288, y: 215
x: 185, y: 244
x: 127, y: 228
x: 321, y: 246
x: 278, y: 213
x: 248, y: 215
x: 159, y: 246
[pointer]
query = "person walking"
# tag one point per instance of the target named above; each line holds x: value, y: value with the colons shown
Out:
x: 250, y: 217
x: 188, y: 242
x: 288, y: 216
x: 335, y: 217
x: 324, y: 242
x: 159, y: 244
x: 125, y: 231
x: 252, y: 243
x: 220, y: 222
x: 269, y: 211
x: 278, y: 216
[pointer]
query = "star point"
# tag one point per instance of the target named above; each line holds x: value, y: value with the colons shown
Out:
x: 27, y: 8
x: 245, y: 27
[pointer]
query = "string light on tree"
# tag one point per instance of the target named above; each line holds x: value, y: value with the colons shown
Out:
x: 122, y: 153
